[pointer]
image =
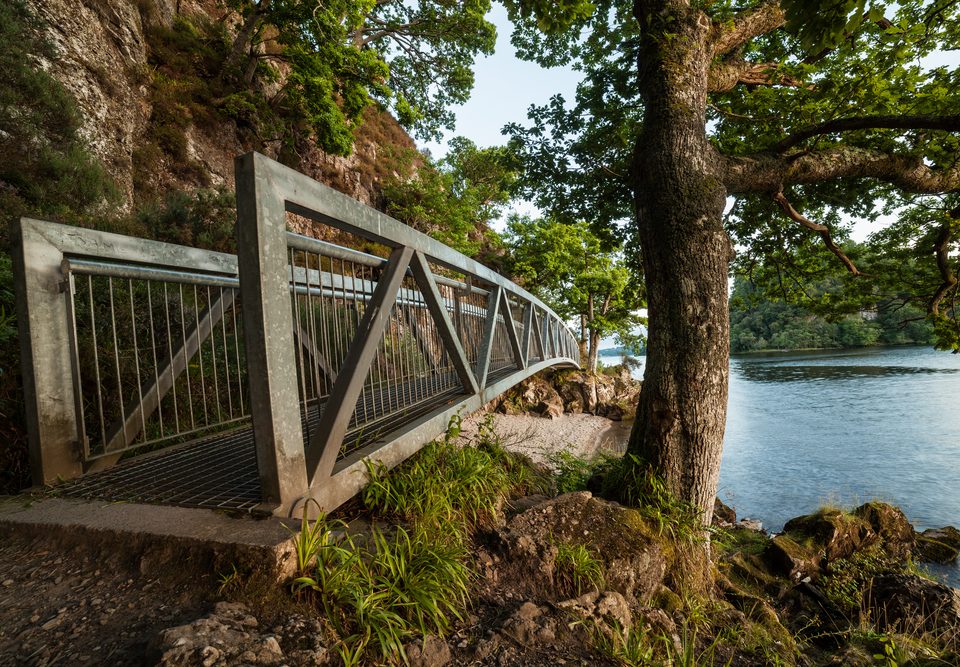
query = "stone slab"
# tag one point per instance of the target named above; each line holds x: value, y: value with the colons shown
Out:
x: 154, y: 536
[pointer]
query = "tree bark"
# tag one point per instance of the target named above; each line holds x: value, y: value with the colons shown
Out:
x: 685, y: 253
x: 594, y: 352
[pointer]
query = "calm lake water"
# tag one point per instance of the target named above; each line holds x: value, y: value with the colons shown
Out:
x: 844, y: 427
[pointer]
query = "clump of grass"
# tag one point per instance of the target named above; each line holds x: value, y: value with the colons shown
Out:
x: 630, y: 647
x: 573, y: 473
x: 449, y: 489
x: 578, y: 568
x: 379, y: 594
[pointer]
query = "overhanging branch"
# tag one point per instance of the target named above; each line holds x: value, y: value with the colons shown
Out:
x: 822, y: 230
x: 947, y: 123
x: 726, y: 75
x: 746, y: 26
x: 769, y: 171
x: 947, y: 277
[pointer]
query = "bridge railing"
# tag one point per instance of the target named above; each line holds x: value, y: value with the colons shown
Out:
x: 332, y: 356
x: 419, y: 331
x: 126, y: 343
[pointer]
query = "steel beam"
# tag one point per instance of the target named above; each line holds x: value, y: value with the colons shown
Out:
x: 326, y: 438
x: 489, y: 334
x: 451, y: 341
x: 512, y: 332
x: 268, y: 333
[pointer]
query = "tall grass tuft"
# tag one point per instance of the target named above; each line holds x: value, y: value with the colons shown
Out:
x: 379, y: 594
x: 449, y: 490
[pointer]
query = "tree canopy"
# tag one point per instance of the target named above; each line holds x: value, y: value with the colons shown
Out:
x: 336, y: 58
x: 454, y: 199
x: 567, y: 266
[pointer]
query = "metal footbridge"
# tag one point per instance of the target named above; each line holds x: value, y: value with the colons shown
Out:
x: 168, y: 374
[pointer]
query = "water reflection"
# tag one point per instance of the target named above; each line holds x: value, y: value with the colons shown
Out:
x: 772, y: 372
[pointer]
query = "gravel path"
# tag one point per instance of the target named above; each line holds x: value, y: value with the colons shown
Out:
x: 538, y: 437
x: 63, y: 608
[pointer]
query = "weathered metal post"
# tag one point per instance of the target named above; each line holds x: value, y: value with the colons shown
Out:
x: 45, y: 357
x: 268, y: 333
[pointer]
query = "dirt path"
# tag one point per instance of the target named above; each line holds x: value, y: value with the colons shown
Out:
x: 61, y: 608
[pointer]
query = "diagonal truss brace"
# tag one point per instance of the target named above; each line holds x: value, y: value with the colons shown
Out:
x: 512, y: 331
x: 327, y: 436
x: 451, y: 341
x: 489, y: 333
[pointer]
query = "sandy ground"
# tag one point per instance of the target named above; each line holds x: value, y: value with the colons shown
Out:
x: 538, y: 437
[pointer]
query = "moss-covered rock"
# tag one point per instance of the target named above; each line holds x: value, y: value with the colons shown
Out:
x: 913, y: 605
x: 634, y: 557
x: 831, y: 533
x: 891, y: 526
x: 788, y: 558
x: 938, y: 545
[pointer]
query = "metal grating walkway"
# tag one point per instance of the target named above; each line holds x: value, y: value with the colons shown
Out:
x: 220, y: 471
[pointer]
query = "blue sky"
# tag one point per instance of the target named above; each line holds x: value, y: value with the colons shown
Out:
x: 505, y: 87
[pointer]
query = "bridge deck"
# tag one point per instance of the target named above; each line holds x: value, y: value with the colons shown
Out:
x: 220, y: 471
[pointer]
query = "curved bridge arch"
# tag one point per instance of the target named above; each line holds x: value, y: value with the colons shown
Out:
x: 307, y: 357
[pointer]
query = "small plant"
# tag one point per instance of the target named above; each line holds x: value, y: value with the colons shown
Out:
x: 379, y: 594
x: 448, y: 489
x: 630, y: 647
x: 571, y: 472
x: 846, y: 578
x: 633, y: 482
x: 578, y: 569
x: 311, y: 538
x: 892, y: 655
x: 228, y: 579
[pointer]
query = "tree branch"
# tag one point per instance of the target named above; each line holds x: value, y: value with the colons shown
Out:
x: 724, y: 76
x: 822, y: 230
x: 947, y: 276
x: 747, y: 25
x: 769, y: 172
x: 948, y: 123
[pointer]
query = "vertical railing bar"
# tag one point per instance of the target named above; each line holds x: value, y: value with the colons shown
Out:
x: 203, y: 377
x: 183, y: 333
x: 77, y: 379
x: 96, y: 363
x: 153, y: 348
x: 226, y: 356
x: 361, y: 407
x: 325, y: 331
x: 136, y: 360
x: 298, y: 336
x: 236, y: 348
x: 173, y: 381
x: 312, y: 329
x: 116, y: 354
x: 213, y: 355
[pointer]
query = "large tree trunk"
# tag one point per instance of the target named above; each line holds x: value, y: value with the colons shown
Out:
x: 685, y: 253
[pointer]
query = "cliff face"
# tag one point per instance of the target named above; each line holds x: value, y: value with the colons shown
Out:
x: 104, y: 60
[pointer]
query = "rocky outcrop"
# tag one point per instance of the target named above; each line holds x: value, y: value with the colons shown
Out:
x: 552, y: 393
x: 231, y: 635
x: 634, y: 559
x: 938, y: 545
x: 811, y: 542
x: 914, y: 605
x: 103, y: 52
